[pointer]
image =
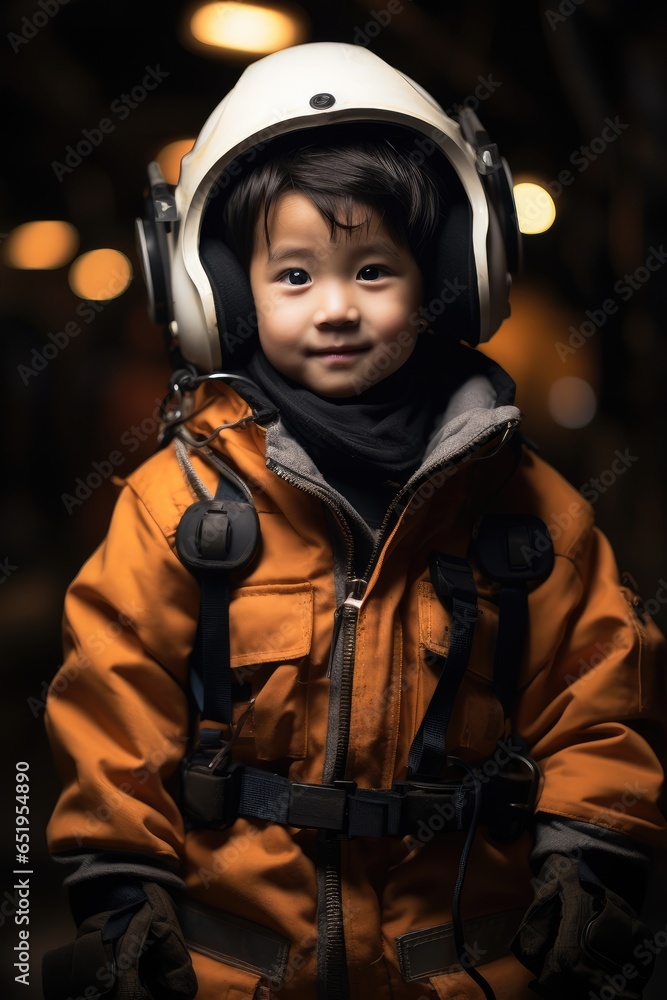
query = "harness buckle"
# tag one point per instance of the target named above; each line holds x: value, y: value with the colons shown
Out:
x: 320, y: 807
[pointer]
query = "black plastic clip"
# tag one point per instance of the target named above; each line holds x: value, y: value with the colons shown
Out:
x: 511, y: 797
x: 211, y: 789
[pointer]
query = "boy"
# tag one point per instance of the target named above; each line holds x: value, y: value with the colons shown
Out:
x: 391, y: 777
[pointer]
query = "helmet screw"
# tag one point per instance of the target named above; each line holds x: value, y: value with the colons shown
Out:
x: 322, y: 101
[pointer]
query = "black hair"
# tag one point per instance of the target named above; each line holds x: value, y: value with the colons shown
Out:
x: 338, y: 167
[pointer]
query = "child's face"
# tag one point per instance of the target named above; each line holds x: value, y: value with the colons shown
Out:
x: 336, y: 315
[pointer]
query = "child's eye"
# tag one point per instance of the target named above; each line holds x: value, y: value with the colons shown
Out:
x: 295, y: 276
x: 370, y: 273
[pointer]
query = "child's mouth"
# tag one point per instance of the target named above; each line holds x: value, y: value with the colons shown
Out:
x: 340, y: 354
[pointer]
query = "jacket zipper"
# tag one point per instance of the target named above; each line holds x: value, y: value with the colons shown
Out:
x: 332, y: 977
x: 349, y: 616
x: 319, y: 494
x: 345, y: 619
x: 331, y: 960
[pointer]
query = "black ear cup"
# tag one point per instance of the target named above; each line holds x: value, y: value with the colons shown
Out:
x: 234, y: 304
x: 151, y: 230
x: 451, y: 299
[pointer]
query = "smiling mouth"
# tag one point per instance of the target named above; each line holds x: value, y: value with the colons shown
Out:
x: 337, y: 351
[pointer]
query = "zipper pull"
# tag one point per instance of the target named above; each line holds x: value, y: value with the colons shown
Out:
x: 354, y: 599
x: 356, y: 594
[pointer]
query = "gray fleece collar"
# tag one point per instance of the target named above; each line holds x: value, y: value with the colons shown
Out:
x: 470, y: 419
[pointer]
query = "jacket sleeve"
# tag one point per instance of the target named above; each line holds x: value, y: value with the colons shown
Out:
x: 117, y: 710
x: 594, y: 708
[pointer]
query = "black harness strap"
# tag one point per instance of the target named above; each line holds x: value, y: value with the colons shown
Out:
x: 211, y: 663
x: 453, y: 583
x: 514, y: 550
x: 213, y: 537
x: 217, y: 793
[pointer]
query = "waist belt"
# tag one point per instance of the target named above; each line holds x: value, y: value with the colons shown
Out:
x: 214, y: 796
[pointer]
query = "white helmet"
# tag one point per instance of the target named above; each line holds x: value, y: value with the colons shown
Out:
x: 297, y: 88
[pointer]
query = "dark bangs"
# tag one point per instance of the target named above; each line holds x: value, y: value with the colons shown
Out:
x: 339, y: 167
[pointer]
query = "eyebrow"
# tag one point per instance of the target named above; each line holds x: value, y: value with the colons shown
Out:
x: 377, y: 247
x: 285, y: 252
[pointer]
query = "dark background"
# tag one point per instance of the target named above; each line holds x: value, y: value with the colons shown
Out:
x: 560, y: 69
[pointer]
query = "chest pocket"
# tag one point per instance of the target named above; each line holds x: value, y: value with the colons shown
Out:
x: 271, y: 629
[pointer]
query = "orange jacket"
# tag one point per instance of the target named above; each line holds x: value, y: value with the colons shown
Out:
x: 118, y: 714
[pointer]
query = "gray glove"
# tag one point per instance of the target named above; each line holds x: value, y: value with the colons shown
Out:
x: 579, y: 938
x: 136, y: 952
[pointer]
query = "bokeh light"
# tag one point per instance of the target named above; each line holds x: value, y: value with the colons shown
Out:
x: 252, y: 29
x: 535, y: 208
x: 170, y: 156
x: 41, y: 245
x: 572, y: 402
x: 100, y: 274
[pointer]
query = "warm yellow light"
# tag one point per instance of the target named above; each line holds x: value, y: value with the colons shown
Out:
x: 246, y: 27
x: 41, y: 245
x: 170, y: 156
x: 535, y: 208
x: 100, y: 274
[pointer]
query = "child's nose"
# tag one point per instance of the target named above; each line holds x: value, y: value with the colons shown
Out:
x: 336, y: 306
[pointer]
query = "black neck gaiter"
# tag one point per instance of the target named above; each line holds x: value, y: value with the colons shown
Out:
x: 374, y: 436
